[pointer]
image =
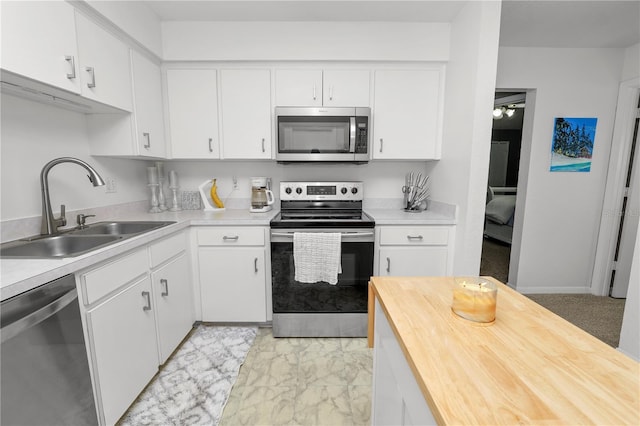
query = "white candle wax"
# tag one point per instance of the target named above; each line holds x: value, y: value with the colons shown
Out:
x: 173, y: 179
x: 152, y: 175
x: 160, y: 167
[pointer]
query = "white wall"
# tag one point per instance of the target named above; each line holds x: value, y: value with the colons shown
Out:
x: 299, y: 41
x: 462, y: 173
x: 560, y: 223
x: 630, y: 333
x: 631, y: 65
x: 34, y: 134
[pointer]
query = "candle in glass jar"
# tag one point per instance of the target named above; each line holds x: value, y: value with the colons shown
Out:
x: 160, y: 167
x: 173, y: 179
x: 152, y: 175
x: 475, y: 300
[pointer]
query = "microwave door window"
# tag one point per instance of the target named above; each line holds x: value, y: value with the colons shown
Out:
x: 314, y: 136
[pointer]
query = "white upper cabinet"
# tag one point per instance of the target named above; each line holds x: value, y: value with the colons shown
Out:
x: 339, y: 88
x: 149, y: 120
x: 39, y: 42
x: 104, y: 65
x: 246, y: 113
x: 407, y: 114
x: 192, y: 98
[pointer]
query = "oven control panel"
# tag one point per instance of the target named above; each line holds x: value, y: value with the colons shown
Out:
x: 303, y: 191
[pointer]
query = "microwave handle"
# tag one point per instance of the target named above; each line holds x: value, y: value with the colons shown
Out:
x: 352, y: 134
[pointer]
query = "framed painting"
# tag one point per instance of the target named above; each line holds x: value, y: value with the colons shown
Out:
x: 572, y: 145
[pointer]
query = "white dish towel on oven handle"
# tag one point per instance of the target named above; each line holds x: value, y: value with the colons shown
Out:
x: 316, y: 256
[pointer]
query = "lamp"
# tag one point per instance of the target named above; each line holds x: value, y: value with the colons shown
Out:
x: 498, y: 112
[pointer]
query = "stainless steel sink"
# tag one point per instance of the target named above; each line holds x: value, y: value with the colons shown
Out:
x: 119, y: 228
x: 57, y: 246
x: 77, y: 241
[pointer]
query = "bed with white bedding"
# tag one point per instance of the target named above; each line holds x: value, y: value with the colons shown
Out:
x: 501, y: 205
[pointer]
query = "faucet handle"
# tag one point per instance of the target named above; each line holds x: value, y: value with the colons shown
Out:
x: 81, y: 218
x: 62, y: 220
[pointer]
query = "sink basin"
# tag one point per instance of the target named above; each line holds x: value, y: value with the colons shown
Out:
x: 57, y: 246
x: 119, y: 228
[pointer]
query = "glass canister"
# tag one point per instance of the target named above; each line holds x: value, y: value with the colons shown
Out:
x: 475, y: 299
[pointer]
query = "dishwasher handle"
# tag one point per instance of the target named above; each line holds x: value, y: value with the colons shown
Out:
x: 39, y: 315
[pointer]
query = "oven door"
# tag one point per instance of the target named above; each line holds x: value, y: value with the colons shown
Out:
x: 320, y: 303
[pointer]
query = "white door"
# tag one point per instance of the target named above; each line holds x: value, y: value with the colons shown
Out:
x: 345, y: 88
x: 232, y: 284
x: 299, y: 88
x: 413, y: 261
x: 39, y: 42
x: 105, y: 70
x: 148, y: 106
x: 192, y: 96
x: 172, y: 294
x: 628, y: 221
x: 246, y: 114
x: 123, y: 336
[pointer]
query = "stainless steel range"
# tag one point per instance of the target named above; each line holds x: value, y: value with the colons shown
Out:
x: 321, y: 309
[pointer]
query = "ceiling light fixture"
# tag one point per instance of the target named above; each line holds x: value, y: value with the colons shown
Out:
x: 510, y: 112
x: 498, y: 112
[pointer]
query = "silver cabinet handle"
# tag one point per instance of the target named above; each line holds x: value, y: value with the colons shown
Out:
x: 263, y: 145
x: 314, y: 92
x: 92, y: 73
x: 148, y: 137
x: 166, y: 287
x: 232, y: 238
x: 210, y: 147
x: 148, y: 296
x: 414, y: 237
x: 330, y: 93
x: 255, y: 265
x: 72, y: 62
x: 388, y: 264
x: 381, y: 142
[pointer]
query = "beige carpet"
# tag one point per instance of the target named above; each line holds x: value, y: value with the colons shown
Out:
x: 599, y: 316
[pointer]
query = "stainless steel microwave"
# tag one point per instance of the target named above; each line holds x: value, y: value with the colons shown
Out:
x: 323, y: 134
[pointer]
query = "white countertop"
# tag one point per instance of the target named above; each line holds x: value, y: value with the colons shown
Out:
x: 20, y: 275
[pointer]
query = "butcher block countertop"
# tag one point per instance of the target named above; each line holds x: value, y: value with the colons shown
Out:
x: 529, y: 367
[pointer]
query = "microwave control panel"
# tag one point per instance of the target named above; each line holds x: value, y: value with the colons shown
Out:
x: 310, y: 191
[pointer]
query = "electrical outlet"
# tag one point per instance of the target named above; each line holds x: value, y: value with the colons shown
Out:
x: 235, y: 182
x: 110, y: 183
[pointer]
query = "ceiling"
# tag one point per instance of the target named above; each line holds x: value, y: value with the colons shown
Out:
x: 524, y: 23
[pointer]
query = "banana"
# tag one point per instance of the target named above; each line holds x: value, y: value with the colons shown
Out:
x: 214, y: 195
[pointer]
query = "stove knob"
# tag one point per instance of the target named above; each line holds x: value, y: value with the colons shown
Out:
x: 287, y: 190
x: 354, y: 190
x: 298, y: 191
x: 343, y: 190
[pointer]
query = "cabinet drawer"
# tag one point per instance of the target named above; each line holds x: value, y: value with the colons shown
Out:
x: 167, y: 248
x: 105, y: 279
x: 414, y: 235
x: 241, y: 236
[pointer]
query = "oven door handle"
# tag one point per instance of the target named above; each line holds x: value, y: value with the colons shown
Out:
x: 342, y: 234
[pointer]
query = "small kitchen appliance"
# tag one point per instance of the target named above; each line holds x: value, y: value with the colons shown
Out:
x: 262, y: 197
x: 321, y: 309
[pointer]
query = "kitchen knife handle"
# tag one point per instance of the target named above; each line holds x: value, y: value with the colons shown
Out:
x: 72, y: 62
x: 92, y: 73
x: 388, y: 264
x: 148, y: 296
x: 166, y: 287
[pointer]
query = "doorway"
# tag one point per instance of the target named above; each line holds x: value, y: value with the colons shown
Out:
x: 502, y: 183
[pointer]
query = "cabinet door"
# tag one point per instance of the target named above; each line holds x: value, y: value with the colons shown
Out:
x: 174, y: 312
x: 105, y: 71
x: 413, y: 261
x: 147, y: 85
x: 232, y: 284
x: 39, y: 42
x: 299, y: 88
x: 246, y: 114
x: 192, y: 97
x: 407, y: 122
x: 345, y: 88
x: 123, y: 335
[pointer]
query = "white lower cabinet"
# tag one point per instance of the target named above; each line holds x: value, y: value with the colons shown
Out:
x: 415, y: 250
x: 396, y: 397
x: 137, y: 309
x: 123, y: 345
x: 232, y: 274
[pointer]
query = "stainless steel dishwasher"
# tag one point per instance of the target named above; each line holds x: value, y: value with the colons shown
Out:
x: 45, y: 377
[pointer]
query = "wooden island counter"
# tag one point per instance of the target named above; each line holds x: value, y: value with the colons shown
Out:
x: 529, y: 367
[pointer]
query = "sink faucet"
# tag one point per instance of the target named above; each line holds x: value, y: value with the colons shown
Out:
x: 51, y: 224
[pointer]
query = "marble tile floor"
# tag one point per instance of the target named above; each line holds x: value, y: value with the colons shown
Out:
x: 302, y: 381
